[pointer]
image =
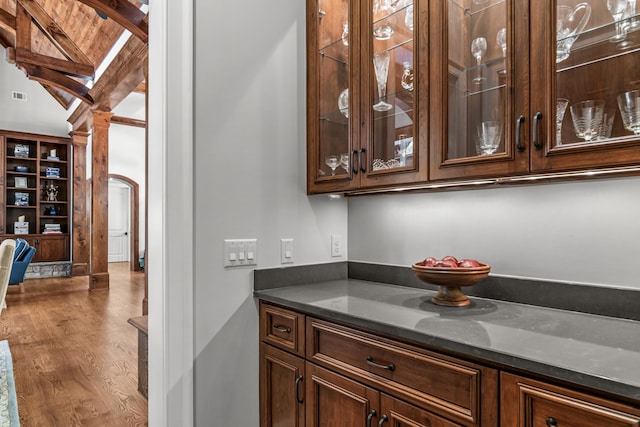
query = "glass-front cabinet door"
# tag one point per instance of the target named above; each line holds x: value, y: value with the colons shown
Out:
x: 395, y: 93
x: 367, y: 88
x: 481, y: 120
x: 332, y: 93
x: 586, y: 84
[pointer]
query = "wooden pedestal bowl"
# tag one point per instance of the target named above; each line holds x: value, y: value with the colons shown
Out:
x: 450, y: 280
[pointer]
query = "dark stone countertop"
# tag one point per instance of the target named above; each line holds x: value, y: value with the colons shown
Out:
x: 597, y: 352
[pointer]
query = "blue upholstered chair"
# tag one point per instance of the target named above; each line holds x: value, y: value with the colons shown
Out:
x: 21, y: 259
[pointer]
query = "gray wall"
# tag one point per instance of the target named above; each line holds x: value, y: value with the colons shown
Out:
x: 585, y: 232
x: 250, y: 169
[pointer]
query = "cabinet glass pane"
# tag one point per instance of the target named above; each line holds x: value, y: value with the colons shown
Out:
x: 334, y: 103
x: 392, y: 68
x: 597, y: 72
x: 477, y: 74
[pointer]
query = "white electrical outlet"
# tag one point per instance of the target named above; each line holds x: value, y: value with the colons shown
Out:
x: 336, y: 245
x: 286, y: 251
x: 240, y: 252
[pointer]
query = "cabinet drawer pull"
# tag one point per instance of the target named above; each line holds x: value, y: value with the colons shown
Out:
x: 370, y: 416
x: 519, y: 122
x: 383, y: 420
x: 298, y: 381
x: 536, y: 123
x: 282, y: 329
x: 389, y: 367
x: 354, y: 162
x: 362, y: 160
x: 551, y: 422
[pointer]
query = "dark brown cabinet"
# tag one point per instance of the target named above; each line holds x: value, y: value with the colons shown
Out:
x: 531, y: 403
x: 36, y: 196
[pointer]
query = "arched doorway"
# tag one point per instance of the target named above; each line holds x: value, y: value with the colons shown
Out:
x: 134, y: 219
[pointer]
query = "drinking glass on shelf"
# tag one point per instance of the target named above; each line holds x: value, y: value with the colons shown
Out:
x: 587, y: 118
x: 333, y: 162
x: 489, y: 136
x: 408, y: 17
x: 344, y: 161
x: 381, y: 67
x: 345, y: 34
x: 629, y: 105
x: 633, y: 24
x: 478, y: 48
x: 617, y: 9
x: 607, y: 125
x: 407, y: 76
x: 501, y: 39
x: 343, y: 102
x: 561, y: 108
x: 382, y: 9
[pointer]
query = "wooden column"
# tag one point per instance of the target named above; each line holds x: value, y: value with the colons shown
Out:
x: 81, y: 239
x: 100, y: 201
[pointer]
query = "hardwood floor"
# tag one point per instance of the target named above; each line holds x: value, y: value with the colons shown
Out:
x: 74, y: 354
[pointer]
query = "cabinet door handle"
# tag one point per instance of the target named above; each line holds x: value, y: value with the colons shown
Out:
x: 551, y: 422
x: 536, y: 132
x: 354, y: 162
x: 370, y: 417
x: 519, y: 122
x: 389, y: 367
x: 282, y: 329
x: 383, y: 420
x: 298, y: 381
x: 361, y: 160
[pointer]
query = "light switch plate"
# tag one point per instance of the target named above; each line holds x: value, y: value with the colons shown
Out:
x: 286, y: 251
x: 240, y: 252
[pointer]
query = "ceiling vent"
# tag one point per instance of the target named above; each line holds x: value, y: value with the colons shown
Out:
x: 19, y: 96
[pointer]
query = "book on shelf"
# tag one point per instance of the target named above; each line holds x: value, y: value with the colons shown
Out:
x: 52, y: 172
x: 52, y: 229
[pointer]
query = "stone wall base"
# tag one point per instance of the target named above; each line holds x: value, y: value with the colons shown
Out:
x: 42, y: 270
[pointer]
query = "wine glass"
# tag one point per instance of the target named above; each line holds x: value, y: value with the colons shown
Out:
x: 344, y: 161
x: 381, y: 67
x: 332, y: 161
x: 629, y: 104
x: 617, y: 9
x: 501, y: 39
x: 382, y: 9
x: 632, y: 25
x: 478, y: 48
x: 561, y: 108
x: 587, y: 118
x: 408, y: 17
x: 489, y: 136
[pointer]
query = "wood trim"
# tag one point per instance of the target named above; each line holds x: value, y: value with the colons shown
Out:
x: 125, y: 14
x: 7, y: 21
x: 134, y: 220
x: 59, y: 80
x: 81, y: 230
x: 82, y: 71
x: 126, y: 121
x: 23, y: 28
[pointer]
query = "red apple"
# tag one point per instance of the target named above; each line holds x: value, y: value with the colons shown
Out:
x: 429, y: 261
x: 450, y: 258
x: 446, y: 263
x: 468, y: 263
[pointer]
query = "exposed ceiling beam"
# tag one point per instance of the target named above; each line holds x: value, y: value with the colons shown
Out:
x: 141, y: 88
x: 23, y: 28
x: 6, y: 43
x: 59, y: 80
x: 119, y: 120
x: 54, y: 32
x: 124, y: 13
x: 7, y: 21
x: 83, y: 71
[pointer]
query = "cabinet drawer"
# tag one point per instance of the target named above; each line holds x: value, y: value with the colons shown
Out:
x: 460, y: 390
x: 282, y: 328
x: 526, y: 402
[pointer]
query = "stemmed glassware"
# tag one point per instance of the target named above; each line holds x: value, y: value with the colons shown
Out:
x: 617, y: 9
x: 629, y: 104
x: 381, y: 67
x: 587, y: 118
x: 501, y: 39
x: 333, y: 162
x: 344, y: 161
x: 478, y: 48
x: 381, y: 9
x: 561, y: 108
x: 633, y: 25
x: 408, y: 17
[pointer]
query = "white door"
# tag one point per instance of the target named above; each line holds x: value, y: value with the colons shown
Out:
x: 119, y: 214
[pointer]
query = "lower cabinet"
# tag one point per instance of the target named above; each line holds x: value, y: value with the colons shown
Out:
x: 531, y: 403
x: 332, y: 375
x: 50, y: 248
